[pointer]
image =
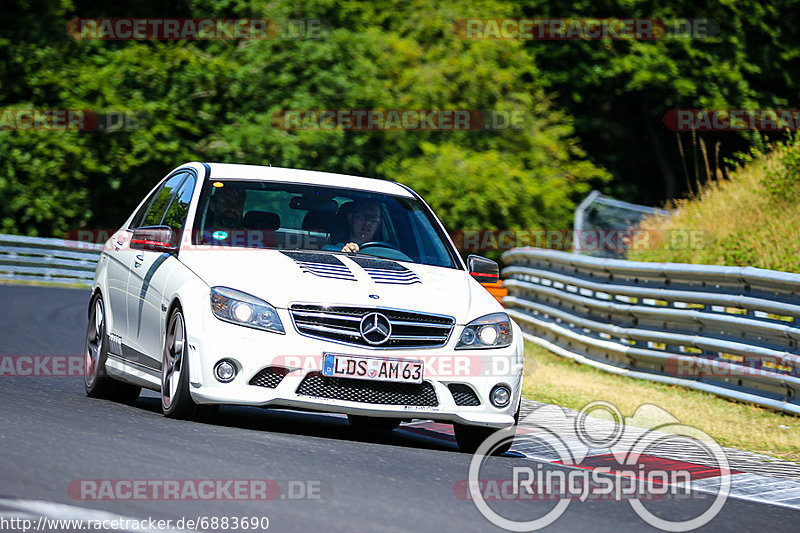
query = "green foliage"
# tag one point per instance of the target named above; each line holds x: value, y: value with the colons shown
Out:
x: 751, y: 220
x: 215, y: 101
x: 41, y: 193
x: 619, y: 91
x: 736, y: 250
x: 783, y: 182
x: 588, y: 105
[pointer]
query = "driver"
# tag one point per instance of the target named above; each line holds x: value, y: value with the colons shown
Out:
x: 363, y: 223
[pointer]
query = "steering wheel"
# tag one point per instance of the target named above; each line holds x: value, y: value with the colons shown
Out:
x: 379, y: 243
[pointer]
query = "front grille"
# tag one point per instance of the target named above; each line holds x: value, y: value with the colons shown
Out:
x: 464, y: 395
x: 341, y: 324
x: 269, y: 377
x: 363, y: 391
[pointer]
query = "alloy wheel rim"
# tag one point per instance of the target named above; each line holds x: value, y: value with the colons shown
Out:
x: 173, y: 360
x: 94, y: 342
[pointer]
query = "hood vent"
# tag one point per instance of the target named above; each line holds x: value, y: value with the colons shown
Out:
x: 322, y: 265
x: 387, y: 272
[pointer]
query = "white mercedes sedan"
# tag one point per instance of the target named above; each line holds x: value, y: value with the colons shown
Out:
x: 273, y: 287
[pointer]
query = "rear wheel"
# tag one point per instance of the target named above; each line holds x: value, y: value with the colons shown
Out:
x: 176, y: 402
x: 96, y: 381
x: 373, y: 422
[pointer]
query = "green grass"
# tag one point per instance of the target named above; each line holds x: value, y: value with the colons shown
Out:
x: 751, y: 219
x: 553, y: 379
x: 55, y: 284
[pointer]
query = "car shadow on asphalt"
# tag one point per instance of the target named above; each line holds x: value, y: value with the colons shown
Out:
x: 312, y: 424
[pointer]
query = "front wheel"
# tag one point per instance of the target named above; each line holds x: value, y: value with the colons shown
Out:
x: 469, y: 438
x: 176, y: 402
x: 96, y: 381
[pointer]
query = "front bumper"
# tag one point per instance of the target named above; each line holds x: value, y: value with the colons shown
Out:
x: 254, y: 350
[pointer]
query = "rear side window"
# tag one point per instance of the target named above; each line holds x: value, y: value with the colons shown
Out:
x: 155, y: 213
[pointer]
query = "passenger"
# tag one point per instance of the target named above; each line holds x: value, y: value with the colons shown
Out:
x: 227, y: 206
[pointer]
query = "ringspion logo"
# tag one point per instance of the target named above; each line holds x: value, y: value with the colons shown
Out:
x: 627, y: 470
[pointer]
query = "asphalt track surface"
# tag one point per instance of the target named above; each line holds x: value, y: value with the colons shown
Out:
x: 52, y: 434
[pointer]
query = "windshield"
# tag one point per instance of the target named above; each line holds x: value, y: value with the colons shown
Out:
x: 290, y: 216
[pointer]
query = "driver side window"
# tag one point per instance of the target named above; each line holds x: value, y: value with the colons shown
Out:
x: 175, y: 217
x: 137, y: 218
x: 160, y: 197
x: 162, y: 200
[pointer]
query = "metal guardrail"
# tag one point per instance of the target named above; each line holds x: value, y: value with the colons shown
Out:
x: 732, y: 331
x: 50, y: 260
x: 599, y: 212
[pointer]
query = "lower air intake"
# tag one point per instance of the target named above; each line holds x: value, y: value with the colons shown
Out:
x: 269, y: 377
x: 464, y: 395
x: 363, y: 391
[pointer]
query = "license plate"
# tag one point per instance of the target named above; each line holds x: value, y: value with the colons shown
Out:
x: 372, y: 368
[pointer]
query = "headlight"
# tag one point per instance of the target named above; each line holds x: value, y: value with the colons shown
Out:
x: 490, y: 331
x: 240, y: 308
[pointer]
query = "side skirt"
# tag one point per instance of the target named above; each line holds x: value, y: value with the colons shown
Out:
x: 133, y: 373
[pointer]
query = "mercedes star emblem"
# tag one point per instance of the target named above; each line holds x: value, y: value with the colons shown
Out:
x: 375, y: 328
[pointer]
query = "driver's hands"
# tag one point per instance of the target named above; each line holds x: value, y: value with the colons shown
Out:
x: 350, y: 247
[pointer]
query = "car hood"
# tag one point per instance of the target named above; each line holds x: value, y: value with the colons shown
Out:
x: 283, y: 278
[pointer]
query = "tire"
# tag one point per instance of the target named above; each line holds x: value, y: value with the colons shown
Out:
x: 96, y: 381
x: 373, y: 422
x: 469, y: 438
x: 176, y: 402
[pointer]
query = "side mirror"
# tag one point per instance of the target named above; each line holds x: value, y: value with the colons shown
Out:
x: 483, y: 270
x: 155, y: 238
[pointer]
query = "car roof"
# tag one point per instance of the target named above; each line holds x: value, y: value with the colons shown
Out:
x: 229, y: 171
